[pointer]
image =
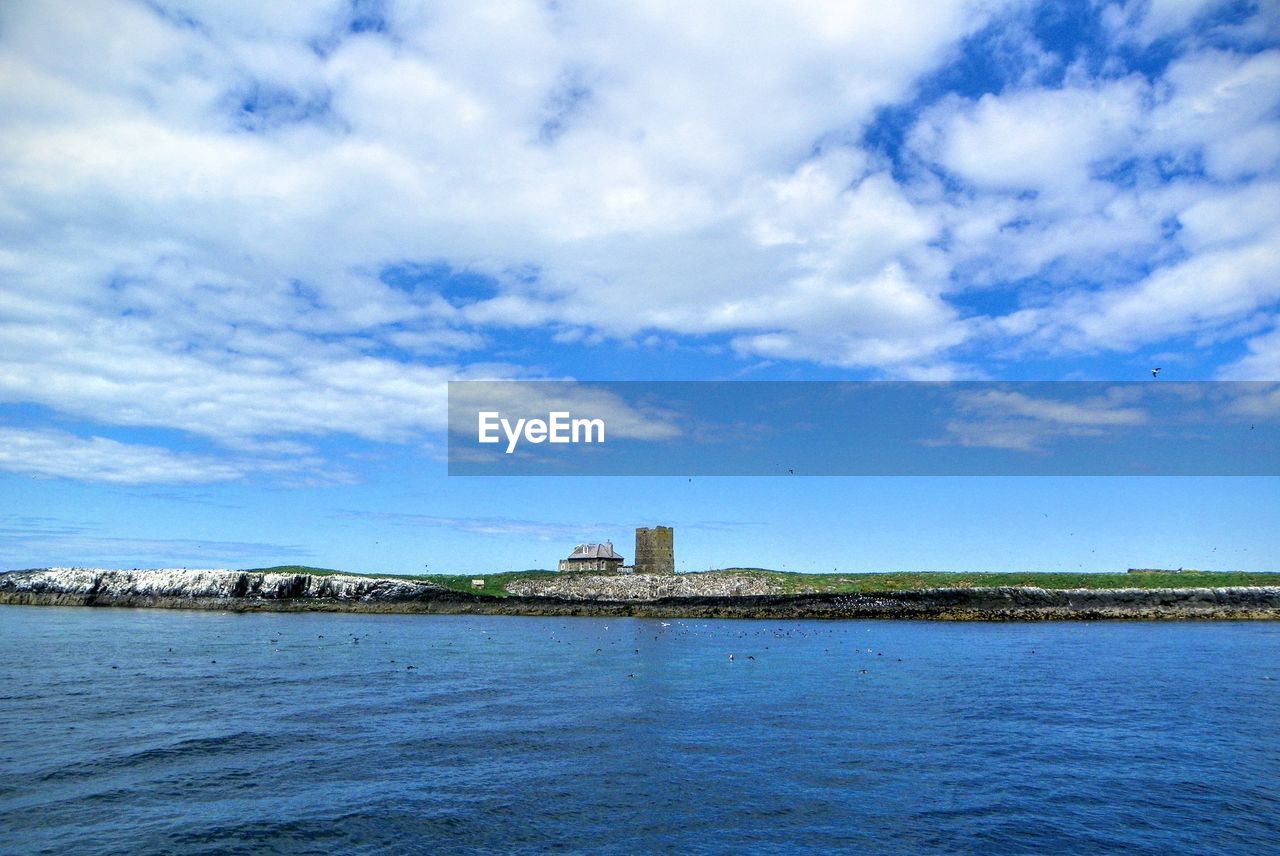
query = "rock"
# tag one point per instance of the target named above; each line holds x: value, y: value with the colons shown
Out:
x: 97, y: 585
x: 645, y: 587
x: 727, y: 595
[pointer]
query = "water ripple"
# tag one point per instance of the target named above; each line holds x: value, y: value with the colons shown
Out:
x: 280, y: 734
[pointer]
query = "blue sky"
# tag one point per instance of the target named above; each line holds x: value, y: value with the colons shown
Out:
x: 244, y: 250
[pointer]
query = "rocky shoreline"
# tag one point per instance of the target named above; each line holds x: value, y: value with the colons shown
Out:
x: 250, y: 591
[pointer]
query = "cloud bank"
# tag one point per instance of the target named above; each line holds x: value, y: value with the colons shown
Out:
x: 265, y: 224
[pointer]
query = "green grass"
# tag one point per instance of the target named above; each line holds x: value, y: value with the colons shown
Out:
x: 296, y: 569
x: 797, y: 583
x: 494, y: 584
x: 802, y: 583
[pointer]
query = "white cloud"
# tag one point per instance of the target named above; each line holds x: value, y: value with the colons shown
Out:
x: 1145, y: 21
x: 1046, y: 140
x: 1262, y: 362
x: 62, y: 455
x: 1233, y: 217
x: 1092, y: 412
x: 198, y: 198
x: 1016, y: 421
x: 1222, y: 105
x: 222, y: 382
x: 1071, y: 185
x: 168, y: 267
x: 1203, y: 291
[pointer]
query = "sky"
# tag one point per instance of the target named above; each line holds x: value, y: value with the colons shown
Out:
x: 244, y: 247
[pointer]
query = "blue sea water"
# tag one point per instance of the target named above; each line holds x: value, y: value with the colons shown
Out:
x: 153, y: 731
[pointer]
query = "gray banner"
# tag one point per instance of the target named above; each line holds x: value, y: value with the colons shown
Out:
x: 863, y: 428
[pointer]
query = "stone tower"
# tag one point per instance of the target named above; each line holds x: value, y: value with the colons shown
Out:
x: 655, y: 551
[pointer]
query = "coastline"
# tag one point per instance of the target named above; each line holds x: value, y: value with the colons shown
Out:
x: 249, y: 591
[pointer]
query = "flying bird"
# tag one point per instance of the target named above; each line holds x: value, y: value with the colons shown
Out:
x: 1155, y: 372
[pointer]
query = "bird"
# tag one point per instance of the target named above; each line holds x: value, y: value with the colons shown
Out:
x: 1155, y: 372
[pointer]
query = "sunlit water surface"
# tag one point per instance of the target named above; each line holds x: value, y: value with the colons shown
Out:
x: 139, y: 731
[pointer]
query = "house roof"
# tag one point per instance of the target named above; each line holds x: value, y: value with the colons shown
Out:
x: 595, y: 551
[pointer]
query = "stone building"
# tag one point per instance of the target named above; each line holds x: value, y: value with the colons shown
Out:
x: 596, y: 558
x: 655, y: 551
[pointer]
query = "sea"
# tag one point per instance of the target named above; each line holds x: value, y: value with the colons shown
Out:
x: 138, y: 731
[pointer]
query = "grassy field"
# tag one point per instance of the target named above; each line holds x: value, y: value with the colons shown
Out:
x: 300, y: 569
x: 799, y: 583
x: 899, y: 582
x: 494, y: 584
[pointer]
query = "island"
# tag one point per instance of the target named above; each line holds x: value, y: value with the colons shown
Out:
x: 728, y: 593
